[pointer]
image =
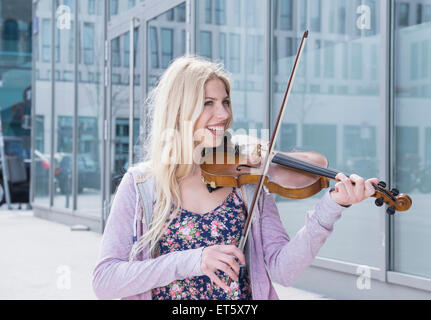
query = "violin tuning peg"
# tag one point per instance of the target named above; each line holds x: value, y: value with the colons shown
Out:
x: 379, y: 202
x: 395, y: 191
x: 382, y: 184
x: 390, y: 210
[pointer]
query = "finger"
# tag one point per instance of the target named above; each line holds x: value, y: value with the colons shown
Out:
x: 218, y: 281
x: 226, y: 269
x: 235, y: 251
x: 359, y: 188
x: 370, y: 190
x: 374, y: 180
x: 340, y: 188
x: 231, y: 262
x: 348, y: 187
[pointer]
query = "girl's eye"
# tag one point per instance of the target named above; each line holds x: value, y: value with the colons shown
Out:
x: 210, y: 103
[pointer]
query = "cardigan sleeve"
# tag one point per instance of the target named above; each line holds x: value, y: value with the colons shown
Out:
x: 114, y: 276
x: 288, y: 258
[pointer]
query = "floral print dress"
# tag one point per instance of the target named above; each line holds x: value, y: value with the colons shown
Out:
x: 188, y: 230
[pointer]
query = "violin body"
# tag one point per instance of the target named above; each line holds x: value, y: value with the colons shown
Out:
x: 285, y: 181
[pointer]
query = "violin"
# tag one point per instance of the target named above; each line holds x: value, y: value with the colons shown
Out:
x: 292, y: 175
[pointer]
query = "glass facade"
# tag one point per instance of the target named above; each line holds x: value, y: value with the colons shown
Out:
x: 43, y: 84
x: 69, y: 108
x: 365, y: 66
x: 89, y: 122
x: 336, y: 89
x: 232, y: 32
x: 15, y: 93
x: 120, y: 100
x: 64, y: 102
x: 412, y: 169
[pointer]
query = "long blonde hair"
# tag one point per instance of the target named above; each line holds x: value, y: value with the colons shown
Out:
x: 176, y: 102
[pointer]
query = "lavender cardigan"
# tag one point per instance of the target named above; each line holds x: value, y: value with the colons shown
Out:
x: 270, y: 254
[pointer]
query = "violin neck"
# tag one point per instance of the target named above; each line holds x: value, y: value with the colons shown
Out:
x: 291, y: 162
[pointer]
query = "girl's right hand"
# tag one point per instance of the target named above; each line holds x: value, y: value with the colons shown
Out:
x: 221, y: 257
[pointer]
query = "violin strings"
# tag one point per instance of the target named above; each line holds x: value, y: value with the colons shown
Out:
x: 315, y: 169
x: 305, y: 166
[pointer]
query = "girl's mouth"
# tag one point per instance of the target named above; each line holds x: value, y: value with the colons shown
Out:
x: 216, y: 130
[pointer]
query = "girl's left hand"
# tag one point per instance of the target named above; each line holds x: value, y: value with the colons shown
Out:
x: 346, y: 193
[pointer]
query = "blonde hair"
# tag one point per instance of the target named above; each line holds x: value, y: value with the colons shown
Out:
x: 177, y: 102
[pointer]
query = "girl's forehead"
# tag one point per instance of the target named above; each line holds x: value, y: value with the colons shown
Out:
x: 215, y: 85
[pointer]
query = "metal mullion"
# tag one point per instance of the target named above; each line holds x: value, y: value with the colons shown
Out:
x: 112, y: 31
x: 268, y: 63
x: 391, y: 126
x: 144, y: 67
x: 52, y: 147
x: 108, y: 122
x: 33, y: 108
x: 75, y: 172
x: 191, y: 26
x: 157, y: 8
x: 131, y: 88
x: 105, y: 139
x: 383, y: 136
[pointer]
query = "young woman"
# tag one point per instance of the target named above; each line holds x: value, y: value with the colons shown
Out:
x: 188, y: 247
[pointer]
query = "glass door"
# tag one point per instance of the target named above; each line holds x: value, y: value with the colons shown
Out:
x: 124, y: 97
x: 167, y: 30
x: 141, y: 43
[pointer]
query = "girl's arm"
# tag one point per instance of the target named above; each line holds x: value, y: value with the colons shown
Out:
x: 114, y: 276
x: 286, y: 259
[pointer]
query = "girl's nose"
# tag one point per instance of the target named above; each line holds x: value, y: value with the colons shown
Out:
x: 222, y: 112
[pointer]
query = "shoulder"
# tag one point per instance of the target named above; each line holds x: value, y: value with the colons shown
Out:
x: 140, y: 171
x: 135, y: 174
x: 141, y: 178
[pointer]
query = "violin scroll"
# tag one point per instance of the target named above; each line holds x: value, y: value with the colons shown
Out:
x: 395, y: 200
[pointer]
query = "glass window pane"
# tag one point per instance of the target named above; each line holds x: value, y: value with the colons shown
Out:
x: 16, y: 92
x: 206, y: 44
x: 46, y: 39
x: 88, y: 35
x: 220, y: 11
x: 230, y: 36
x: 166, y: 41
x: 286, y: 14
x: 208, y: 11
x: 64, y: 107
x: 235, y: 52
x: 412, y: 169
x: 42, y: 148
x: 167, y: 46
x: 154, y: 48
x: 315, y: 15
x: 337, y: 117
x: 90, y: 116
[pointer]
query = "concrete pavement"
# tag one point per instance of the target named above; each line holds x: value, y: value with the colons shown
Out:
x: 45, y: 260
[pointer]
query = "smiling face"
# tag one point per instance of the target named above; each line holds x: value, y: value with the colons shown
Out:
x: 211, y: 124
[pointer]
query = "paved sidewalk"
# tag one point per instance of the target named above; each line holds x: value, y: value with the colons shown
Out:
x: 44, y: 260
